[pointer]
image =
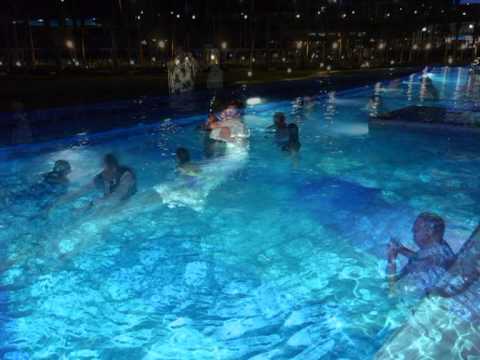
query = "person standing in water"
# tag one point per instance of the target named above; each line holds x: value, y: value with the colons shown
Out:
x: 184, y: 164
x: 116, y: 182
x: 280, y: 127
x: 434, y: 257
x: 293, y: 144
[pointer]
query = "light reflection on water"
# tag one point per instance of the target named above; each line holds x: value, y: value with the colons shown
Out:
x: 284, y: 261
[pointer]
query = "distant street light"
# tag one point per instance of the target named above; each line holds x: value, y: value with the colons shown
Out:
x: 224, y: 45
x: 161, y: 44
x: 69, y: 44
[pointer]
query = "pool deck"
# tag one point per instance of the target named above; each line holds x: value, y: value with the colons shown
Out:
x: 52, y: 91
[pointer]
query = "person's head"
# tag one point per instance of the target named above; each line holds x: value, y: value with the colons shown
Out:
x: 428, y: 229
x: 62, y: 167
x: 279, y: 120
x: 233, y: 109
x: 110, y: 164
x: 293, y: 133
x: 299, y: 101
x: 183, y: 156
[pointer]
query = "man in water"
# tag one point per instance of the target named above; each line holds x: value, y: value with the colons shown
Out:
x: 59, y: 173
x: 293, y: 145
x: 280, y: 127
x: 117, y: 183
x: 184, y: 164
x: 230, y: 128
x: 430, y: 262
x: 212, y: 148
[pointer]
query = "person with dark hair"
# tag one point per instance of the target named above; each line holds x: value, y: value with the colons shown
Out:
x: 59, y: 173
x: 231, y: 128
x: 184, y: 164
x: 279, y: 127
x: 45, y: 192
x: 116, y: 182
x: 431, y: 261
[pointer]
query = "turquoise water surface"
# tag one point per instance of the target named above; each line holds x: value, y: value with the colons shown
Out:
x: 282, y: 259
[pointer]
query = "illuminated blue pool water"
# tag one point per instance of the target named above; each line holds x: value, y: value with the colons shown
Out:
x: 282, y: 261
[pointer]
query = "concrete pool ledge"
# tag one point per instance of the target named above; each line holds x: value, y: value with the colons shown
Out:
x: 428, y: 117
x: 444, y: 328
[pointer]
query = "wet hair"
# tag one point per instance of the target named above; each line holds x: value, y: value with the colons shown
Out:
x: 183, y: 155
x: 435, y: 222
x: 110, y: 160
x: 62, y: 166
x: 220, y: 103
x: 293, y: 133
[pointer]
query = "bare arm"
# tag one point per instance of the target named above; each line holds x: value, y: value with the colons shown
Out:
x: 126, y: 183
x: 73, y: 195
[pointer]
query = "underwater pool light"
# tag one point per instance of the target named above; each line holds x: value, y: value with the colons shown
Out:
x: 254, y: 101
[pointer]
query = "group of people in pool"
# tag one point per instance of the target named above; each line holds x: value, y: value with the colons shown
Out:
x: 225, y: 133
x: 117, y: 183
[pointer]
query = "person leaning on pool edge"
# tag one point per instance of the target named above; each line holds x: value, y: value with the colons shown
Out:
x: 434, y: 254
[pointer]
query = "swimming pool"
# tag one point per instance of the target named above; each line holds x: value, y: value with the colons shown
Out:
x: 281, y: 260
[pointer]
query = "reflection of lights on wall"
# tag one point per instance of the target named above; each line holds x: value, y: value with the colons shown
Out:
x: 224, y: 45
x: 194, y: 17
x: 18, y: 63
x: 415, y: 47
x: 335, y: 45
x: 289, y: 70
x: 249, y: 73
x: 161, y: 44
x: 299, y: 44
x: 132, y: 62
x: 424, y: 29
x: 69, y: 44
x: 381, y: 46
x: 450, y: 60
x: 298, y: 16
x: 329, y: 68
x: 245, y: 17
x: 212, y: 57
x: 428, y: 46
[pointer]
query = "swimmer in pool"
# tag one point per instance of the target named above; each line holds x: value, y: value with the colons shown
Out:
x: 184, y: 164
x: 117, y: 183
x: 59, y: 173
x: 293, y: 145
x: 430, y: 262
x: 279, y: 127
x: 212, y: 148
x: 230, y: 128
x: 53, y: 185
x: 374, y: 106
x: 429, y: 90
